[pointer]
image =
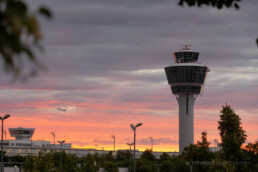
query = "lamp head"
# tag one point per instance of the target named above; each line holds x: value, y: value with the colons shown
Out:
x: 133, y: 127
x: 61, y: 142
x: 130, y: 144
x: 139, y: 124
x: 6, y: 116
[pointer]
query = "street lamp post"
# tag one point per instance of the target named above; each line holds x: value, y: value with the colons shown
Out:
x: 54, y: 135
x: 61, y: 155
x: 114, y: 138
x: 4, y: 134
x: 15, y: 167
x: 31, y: 145
x: 151, y: 138
x: 130, y: 144
x: 134, y: 131
x: 216, y: 144
x: 2, y: 143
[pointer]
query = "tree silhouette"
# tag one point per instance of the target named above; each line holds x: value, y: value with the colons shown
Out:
x: 231, y: 133
x: 219, y: 4
x: 204, y: 143
x: 214, y: 3
x: 20, y: 36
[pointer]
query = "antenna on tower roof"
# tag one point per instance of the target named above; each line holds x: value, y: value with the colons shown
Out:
x: 186, y: 46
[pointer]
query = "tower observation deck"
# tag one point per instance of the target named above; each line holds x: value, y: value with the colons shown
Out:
x: 21, y: 133
x: 186, y: 79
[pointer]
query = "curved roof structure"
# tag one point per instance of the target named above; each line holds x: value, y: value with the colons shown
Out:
x: 21, y: 133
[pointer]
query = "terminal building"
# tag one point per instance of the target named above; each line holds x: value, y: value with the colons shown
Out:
x: 23, y: 139
x: 24, y: 145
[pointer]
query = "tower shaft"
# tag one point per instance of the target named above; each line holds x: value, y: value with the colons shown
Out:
x: 186, y: 120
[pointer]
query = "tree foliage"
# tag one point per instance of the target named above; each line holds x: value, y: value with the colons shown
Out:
x: 123, y: 155
x: 111, y: 166
x: 44, y: 161
x: 147, y: 161
x: 214, y: 3
x: 219, y: 4
x: 164, y: 157
x: 231, y: 133
x: 251, y: 156
x: 144, y: 165
x: 17, y: 158
x: 30, y: 164
x: 20, y: 35
x: 204, y: 143
x: 253, y: 147
x: 89, y: 164
x: 69, y: 162
x: 41, y: 163
x: 197, y: 155
x: 108, y: 156
x: 147, y: 154
x: 123, y: 158
x: 176, y: 163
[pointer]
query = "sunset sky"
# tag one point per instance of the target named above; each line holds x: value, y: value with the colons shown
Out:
x: 105, y: 64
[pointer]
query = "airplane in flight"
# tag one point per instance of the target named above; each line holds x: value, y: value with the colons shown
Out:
x: 61, y: 109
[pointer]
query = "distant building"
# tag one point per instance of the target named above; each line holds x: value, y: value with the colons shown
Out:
x: 23, y: 140
x: 23, y: 145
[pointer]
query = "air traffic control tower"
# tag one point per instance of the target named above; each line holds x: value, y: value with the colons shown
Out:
x: 186, y: 79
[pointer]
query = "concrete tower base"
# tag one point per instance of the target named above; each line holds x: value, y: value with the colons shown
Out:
x: 186, y: 120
